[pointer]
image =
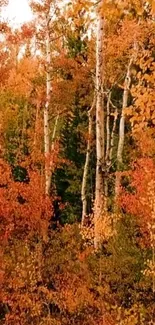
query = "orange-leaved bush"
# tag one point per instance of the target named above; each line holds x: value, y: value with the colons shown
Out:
x: 24, y: 208
x: 139, y: 197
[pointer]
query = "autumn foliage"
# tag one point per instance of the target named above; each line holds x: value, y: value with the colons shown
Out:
x: 77, y: 110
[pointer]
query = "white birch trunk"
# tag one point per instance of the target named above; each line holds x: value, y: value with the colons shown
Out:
x: 100, y: 140
x: 54, y: 131
x: 46, y: 112
x: 52, y: 149
x: 107, y: 155
x: 86, y: 166
x: 122, y: 129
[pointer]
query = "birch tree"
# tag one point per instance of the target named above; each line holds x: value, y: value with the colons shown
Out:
x: 100, y: 134
x: 110, y: 134
x: 86, y: 166
x: 125, y: 101
x: 46, y: 12
x: 47, y: 104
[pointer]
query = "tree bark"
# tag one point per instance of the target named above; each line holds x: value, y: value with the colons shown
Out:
x: 107, y: 155
x: 100, y: 136
x: 86, y: 166
x: 113, y: 134
x: 110, y: 133
x: 46, y: 111
x: 52, y: 149
x: 122, y: 130
x: 54, y: 131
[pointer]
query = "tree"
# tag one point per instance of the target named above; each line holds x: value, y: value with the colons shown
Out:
x: 125, y: 101
x: 87, y: 165
x: 46, y: 11
x: 100, y: 133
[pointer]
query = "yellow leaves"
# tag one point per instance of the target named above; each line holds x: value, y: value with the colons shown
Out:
x: 129, y: 111
x: 104, y: 227
x: 144, y: 104
x: 142, y: 113
x: 132, y: 316
x: 79, y: 12
x: 119, y: 48
x: 146, y: 61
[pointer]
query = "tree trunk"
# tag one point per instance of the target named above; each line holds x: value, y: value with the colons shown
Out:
x: 122, y: 130
x: 107, y: 155
x: 46, y: 112
x: 110, y: 133
x: 54, y: 131
x: 52, y: 149
x: 113, y: 134
x: 86, y: 166
x: 100, y: 137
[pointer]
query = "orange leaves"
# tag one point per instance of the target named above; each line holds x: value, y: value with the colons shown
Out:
x: 153, y: 7
x: 23, y: 210
x: 5, y: 173
x: 119, y: 42
x: 78, y: 9
x: 145, y: 140
x: 27, y: 31
x: 141, y: 113
x: 139, y: 200
x: 23, y: 266
x: 20, y: 80
x: 71, y: 76
x: 84, y: 254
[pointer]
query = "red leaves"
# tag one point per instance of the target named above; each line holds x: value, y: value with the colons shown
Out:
x: 24, y: 209
x: 27, y: 31
x: 139, y: 201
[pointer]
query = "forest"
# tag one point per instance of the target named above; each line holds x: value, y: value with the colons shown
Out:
x: 77, y: 164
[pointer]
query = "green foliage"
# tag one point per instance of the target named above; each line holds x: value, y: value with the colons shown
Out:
x: 69, y: 177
